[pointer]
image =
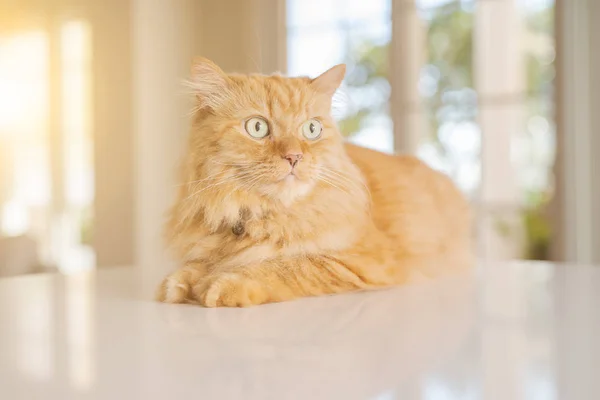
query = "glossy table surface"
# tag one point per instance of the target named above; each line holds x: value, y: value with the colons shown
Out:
x: 505, y: 331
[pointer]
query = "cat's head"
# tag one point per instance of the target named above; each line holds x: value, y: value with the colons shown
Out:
x: 270, y: 135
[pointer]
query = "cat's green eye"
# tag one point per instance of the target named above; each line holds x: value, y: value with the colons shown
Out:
x: 257, y: 127
x: 312, y: 129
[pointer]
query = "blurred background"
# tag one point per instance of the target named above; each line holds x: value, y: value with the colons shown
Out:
x: 498, y: 94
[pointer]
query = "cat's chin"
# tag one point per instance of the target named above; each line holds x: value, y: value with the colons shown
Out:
x: 289, y: 188
x: 289, y: 179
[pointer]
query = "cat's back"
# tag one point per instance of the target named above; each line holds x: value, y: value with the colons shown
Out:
x: 410, y: 199
x: 388, y: 171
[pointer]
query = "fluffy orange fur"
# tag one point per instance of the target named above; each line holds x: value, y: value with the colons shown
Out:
x: 251, y: 227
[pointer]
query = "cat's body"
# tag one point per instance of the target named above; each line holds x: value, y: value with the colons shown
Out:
x: 286, y: 215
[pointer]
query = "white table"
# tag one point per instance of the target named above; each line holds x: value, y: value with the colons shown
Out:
x: 508, y: 331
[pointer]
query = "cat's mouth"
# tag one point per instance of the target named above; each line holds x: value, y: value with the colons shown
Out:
x: 291, y: 176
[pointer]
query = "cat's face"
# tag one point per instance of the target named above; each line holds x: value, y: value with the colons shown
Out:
x: 268, y: 134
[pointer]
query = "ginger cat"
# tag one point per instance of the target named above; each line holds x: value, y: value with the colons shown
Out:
x: 274, y: 206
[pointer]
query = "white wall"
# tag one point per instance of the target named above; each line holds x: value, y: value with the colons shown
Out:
x: 149, y: 133
x: 113, y: 109
x: 575, y: 211
x: 245, y: 35
x: 166, y: 38
x: 594, y: 49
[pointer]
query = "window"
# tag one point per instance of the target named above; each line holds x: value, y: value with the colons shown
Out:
x: 46, y: 171
x: 473, y: 86
x: 324, y: 33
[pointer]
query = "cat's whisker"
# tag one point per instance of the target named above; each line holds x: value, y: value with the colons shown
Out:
x: 251, y: 182
x: 341, y: 180
x: 215, y: 174
x: 334, y: 185
x: 359, y: 184
x: 344, y: 176
x: 201, y: 180
x: 246, y: 183
x: 347, y: 183
x: 213, y: 185
x: 235, y: 163
x: 193, y: 111
x: 329, y: 182
x: 244, y: 175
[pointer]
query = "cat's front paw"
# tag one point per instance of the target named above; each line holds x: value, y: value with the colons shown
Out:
x: 230, y: 290
x: 177, y: 287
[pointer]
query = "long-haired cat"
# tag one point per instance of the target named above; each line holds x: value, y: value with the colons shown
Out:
x: 274, y: 205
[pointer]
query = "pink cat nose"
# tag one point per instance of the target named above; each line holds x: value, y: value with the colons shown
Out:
x: 293, y: 158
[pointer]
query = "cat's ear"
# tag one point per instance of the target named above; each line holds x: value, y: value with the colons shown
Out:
x: 329, y: 81
x: 209, y: 83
